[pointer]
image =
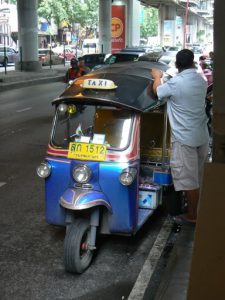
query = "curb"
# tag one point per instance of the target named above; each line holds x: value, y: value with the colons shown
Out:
x: 24, y: 83
x: 143, y: 280
x: 165, y: 281
x: 175, y: 280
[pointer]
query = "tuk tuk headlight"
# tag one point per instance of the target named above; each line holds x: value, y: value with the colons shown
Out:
x: 82, y: 173
x: 44, y: 170
x: 127, y: 176
x: 62, y: 108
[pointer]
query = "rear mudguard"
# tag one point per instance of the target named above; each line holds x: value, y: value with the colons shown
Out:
x: 78, y: 199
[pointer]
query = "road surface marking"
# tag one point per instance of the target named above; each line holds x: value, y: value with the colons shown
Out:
x: 149, y: 266
x: 24, y: 109
x: 2, y: 183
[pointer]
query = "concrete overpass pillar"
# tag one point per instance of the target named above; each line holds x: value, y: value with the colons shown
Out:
x: 132, y: 36
x: 133, y: 23
x: 192, y: 25
x: 200, y: 25
x: 167, y: 25
x: 28, y: 35
x: 105, y: 17
x: 162, y: 12
x: 219, y: 87
x: 195, y: 26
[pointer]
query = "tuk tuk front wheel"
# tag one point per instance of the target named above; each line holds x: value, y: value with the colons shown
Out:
x: 77, y: 256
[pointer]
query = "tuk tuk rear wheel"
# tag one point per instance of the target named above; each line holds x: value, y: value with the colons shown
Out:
x: 77, y: 256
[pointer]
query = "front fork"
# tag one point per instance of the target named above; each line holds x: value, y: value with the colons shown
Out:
x: 94, y: 223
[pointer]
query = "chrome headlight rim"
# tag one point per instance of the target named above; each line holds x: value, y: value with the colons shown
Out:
x: 127, y: 173
x: 86, y: 172
x: 44, y: 170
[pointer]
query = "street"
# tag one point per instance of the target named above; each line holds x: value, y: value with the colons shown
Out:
x: 31, y: 252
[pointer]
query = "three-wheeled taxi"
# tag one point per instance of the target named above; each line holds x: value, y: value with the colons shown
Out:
x: 107, y: 158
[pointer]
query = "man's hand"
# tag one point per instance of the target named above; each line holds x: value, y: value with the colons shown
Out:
x: 156, y: 75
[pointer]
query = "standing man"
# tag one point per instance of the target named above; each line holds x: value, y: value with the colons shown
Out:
x: 185, y: 95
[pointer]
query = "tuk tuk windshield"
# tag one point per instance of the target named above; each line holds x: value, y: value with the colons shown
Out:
x: 92, y: 124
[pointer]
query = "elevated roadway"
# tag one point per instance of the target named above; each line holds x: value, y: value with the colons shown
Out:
x: 180, y: 3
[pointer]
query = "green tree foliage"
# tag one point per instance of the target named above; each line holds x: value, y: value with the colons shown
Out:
x: 84, y: 12
x: 149, y: 27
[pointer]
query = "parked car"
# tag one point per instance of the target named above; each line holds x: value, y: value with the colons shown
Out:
x: 168, y: 56
x: 120, y: 57
x: 150, y: 56
x: 123, y: 56
x: 173, y: 49
x: 44, y: 57
x: 94, y: 59
x: 68, y: 54
x: 60, y: 49
x: 197, y: 48
x: 75, y: 50
x: 11, y: 55
x: 136, y: 49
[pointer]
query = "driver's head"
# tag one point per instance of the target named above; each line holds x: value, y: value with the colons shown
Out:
x: 81, y: 62
x: 184, y: 59
x: 73, y: 62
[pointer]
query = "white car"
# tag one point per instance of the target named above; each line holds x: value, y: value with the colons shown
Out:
x: 45, y: 55
x: 68, y: 48
x: 169, y: 55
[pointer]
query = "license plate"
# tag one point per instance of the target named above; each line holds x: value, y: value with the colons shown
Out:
x: 85, y: 151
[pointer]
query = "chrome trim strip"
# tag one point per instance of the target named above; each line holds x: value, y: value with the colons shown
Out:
x: 96, y: 202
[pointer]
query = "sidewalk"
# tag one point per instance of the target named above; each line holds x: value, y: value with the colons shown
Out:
x: 174, y: 278
x: 174, y: 284
x: 16, y: 79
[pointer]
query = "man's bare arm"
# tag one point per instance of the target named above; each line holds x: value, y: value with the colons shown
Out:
x: 156, y: 75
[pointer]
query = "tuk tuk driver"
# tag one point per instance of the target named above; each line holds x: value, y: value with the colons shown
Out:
x: 73, y: 72
x: 185, y: 94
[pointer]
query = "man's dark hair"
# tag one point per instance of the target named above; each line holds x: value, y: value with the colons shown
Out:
x: 184, y: 59
x: 73, y: 61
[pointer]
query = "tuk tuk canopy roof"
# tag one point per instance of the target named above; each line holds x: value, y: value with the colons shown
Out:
x: 133, y: 91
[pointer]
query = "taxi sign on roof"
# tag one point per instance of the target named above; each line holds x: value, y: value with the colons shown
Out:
x: 101, y: 84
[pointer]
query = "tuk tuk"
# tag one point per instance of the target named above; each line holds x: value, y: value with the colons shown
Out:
x: 107, y: 159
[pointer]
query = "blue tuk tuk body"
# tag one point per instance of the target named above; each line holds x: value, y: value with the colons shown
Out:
x: 88, y: 193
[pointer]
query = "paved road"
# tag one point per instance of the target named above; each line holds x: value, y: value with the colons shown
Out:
x: 31, y: 251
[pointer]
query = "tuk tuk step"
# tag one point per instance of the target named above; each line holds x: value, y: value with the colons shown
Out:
x: 143, y: 215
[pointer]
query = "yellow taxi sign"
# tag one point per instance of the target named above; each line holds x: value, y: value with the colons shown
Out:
x: 100, y: 84
x: 86, y: 151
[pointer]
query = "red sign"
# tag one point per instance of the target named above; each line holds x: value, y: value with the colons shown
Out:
x: 118, y: 27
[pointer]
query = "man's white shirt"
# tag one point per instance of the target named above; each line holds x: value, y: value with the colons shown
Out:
x: 186, y: 94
